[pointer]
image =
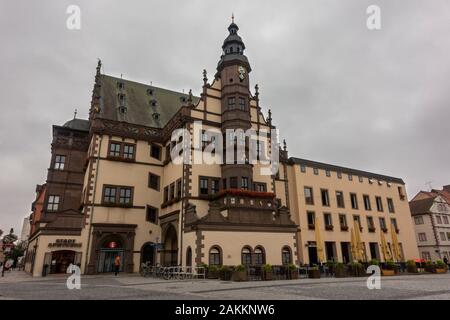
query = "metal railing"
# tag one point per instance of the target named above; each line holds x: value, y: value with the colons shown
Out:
x: 174, y: 272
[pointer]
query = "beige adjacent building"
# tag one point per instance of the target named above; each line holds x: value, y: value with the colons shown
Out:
x: 113, y: 187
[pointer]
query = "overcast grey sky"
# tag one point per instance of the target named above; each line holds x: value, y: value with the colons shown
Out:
x: 370, y: 100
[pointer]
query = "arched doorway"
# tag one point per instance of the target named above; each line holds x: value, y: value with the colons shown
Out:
x: 111, y: 246
x: 148, y: 253
x: 169, y: 255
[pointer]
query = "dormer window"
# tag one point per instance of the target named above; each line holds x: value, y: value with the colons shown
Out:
x: 156, y: 116
x: 153, y: 103
x: 150, y: 92
x: 120, y: 85
x: 183, y: 99
x: 122, y: 109
x: 121, y: 99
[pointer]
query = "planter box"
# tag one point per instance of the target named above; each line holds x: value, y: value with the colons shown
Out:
x: 268, y: 275
x: 293, y: 274
x: 440, y: 270
x: 314, y: 274
x: 412, y: 269
x: 240, y: 276
x: 225, y: 275
x: 386, y: 272
x: 340, y: 273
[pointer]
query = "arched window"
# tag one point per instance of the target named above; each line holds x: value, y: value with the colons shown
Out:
x: 214, y: 257
x: 286, y: 256
x: 246, y: 256
x: 189, y: 257
x: 259, y: 256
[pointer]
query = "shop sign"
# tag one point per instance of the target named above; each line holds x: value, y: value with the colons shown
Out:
x: 68, y: 243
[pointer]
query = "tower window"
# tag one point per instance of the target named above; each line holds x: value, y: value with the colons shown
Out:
x: 242, y: 103
x: 59, y: 162
x: 120, y: 85
x: 53, y: 203
x: 231, y: 103
x: 244, y: 183
x: 150, y: 92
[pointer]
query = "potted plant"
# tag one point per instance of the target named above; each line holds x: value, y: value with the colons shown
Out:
x: 411, y: 266
x: 225, y: 273
x: 339, y: 270
x: 440, y: 267
x: 356, y: 269
x: 212, y: 272
x: 374, y: 262
x: 240, y: 273
x: 389, y: 268
x: 267, y: 272
x: 314, y: 272
x: 292, y: 271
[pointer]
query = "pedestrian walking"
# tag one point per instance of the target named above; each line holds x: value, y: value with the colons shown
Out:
x: 446, y: 261
x: 116, y: 265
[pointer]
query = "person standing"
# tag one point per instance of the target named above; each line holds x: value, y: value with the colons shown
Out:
x: 446, y: 261
x: 116, y: 265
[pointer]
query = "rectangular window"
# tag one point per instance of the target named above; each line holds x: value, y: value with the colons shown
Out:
x: 172, y: 191
x: 325, y: 198
x: 438, y: 220
x: 179, y: 188
x: 309, y: 199
x: 155, y: 151
x: 224, y: 183
x: 418, y: 220
x: 358, y: 220
x: 316, y: 171
x: 390, y: 205
x: 401, y: 194
x: 59, y: 162
x: 302, y: 168
x: 327, y: 219
x: 394, y: 224
x: 370, y: 224
x: 215, y: 185
x: 311, y: 216
x: 422, y: 237
x: 442, y: 235
x: 445, y: 219
x: 53, y: 203
x: 233, y: 183
x: 203, y: 186
x: 166, y: 194
x: 339, y: 175
x: 366, y: 200
x: 354, y: 200
x: 382, y: 224
x: 260, y: 187
x: 168, y: 152
x: 379, y: 204
x: 340, y: 199
x: 152, y: 214
x: 328, y: 173
x: 242, y: 103
x: 114, y: 149
x: 343, y: 220
x: 110, y: 195
x: 426, y: 256
x: 231, y: 103
x: 125, y: 196
x: 350, y: 177
x: 153, y: 181
x: 128, y: 151
x: 361, y: 179
x: 244, y: 183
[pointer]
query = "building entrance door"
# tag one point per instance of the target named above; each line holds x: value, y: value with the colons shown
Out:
x: 345, y: 248
x: 106, y: 261
x: 61, y: 261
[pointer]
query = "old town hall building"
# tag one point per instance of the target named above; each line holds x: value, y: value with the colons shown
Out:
x: 113, y: 189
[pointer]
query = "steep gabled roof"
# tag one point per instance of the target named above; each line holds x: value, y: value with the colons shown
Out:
x: 421, y: 206
x: 144, y: 104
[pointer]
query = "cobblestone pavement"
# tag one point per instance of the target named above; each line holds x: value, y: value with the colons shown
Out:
x: 18, y: 285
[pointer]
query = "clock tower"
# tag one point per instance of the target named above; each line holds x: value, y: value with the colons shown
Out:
x: 233, y: 70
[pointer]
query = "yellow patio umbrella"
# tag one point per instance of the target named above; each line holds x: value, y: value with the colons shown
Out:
x: 354, y: 246
x: 359, y: 244
x: 395, y: 246
x: 319, y: 243
x: 384, y: 247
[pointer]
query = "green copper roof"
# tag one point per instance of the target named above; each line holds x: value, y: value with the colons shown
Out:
x: 142, y: 104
